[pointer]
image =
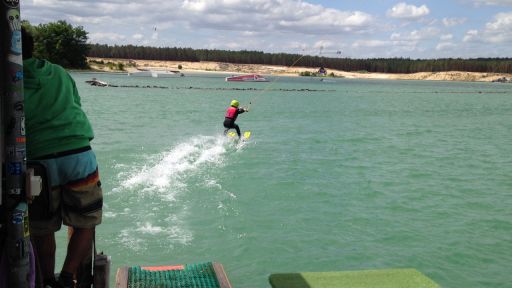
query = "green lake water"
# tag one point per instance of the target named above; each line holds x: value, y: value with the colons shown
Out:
x: 339, y: 175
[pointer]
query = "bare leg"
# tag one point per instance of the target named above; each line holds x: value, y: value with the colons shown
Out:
x: 45, y: 247
x: 80, y: 245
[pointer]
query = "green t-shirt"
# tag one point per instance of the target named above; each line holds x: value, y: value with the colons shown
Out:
x: 54, y: 119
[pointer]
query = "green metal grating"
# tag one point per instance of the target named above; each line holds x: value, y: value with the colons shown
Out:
x: 192, y: 276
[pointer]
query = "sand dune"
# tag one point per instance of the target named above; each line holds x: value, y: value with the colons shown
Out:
x: 218, y: 67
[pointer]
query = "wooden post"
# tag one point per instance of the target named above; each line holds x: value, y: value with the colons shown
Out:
x: 221, y: 275
x: 122, y: 277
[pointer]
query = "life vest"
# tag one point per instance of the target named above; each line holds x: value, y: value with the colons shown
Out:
x: 231, y: 113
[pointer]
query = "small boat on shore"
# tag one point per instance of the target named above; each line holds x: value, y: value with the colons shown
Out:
x: 96, y: 82
x: 247, y: 78
x: 156, y: 73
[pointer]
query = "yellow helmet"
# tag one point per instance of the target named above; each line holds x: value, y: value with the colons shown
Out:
x: 235, y: 103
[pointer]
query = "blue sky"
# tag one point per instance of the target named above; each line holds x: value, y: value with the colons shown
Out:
x: 356, y: 29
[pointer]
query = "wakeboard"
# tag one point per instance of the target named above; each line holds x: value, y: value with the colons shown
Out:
x: 245, y: 136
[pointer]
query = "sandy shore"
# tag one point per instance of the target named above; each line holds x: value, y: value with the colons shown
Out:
x: 218, y: 67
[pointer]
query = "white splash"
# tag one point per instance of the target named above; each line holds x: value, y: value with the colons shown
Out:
x: 166, y: 234
x: 166, y: 176
x: 174, y: 166
x: 149, y: 228
x: 109, y: 214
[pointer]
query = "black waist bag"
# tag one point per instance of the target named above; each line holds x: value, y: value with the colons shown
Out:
x: 41, y: 206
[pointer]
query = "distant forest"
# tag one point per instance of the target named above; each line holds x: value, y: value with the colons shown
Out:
x: 382, y: 65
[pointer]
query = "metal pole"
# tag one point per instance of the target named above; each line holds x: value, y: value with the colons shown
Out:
x: 17, y: 242
x: 2, y: 92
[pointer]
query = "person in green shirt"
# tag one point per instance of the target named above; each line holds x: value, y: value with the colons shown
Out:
x: 58, y: 136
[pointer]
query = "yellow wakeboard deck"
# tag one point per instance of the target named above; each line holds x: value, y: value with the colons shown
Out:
x: 245, y: 136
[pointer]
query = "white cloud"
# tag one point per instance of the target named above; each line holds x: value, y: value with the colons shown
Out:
x: 46, y: 2
x: 405, y: 11
x: 446, y: 37
x: 249, y: 33
x: 492, y: 2
x: 100, y: 37
x: 471, y: 35
x: 385, y: 48
x: 293, y: 26
x: 448, y: 22
x: 298, y: 46
x: 244, y: 17
x: 137, y: 36
x: 328, y: 22
x: 370, y: 43
x: 497, y: 31
x: 323, y: 44
x: 416, y: 35
x: 229, y: 45
x: 284, y: 15
x: 89, y: 20
x: 198, y: 6
x: 115, y: 10
x: 445, y: 46
x: 502, y: 23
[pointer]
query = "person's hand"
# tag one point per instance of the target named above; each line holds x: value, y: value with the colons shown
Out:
x: 246, y: 109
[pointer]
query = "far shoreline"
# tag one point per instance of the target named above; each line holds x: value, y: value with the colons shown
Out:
x: 272, y: 70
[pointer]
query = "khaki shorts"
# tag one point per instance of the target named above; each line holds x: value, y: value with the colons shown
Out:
x: 77, y: 197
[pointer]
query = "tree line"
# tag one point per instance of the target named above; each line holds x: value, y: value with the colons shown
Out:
x: 61, y: 43
x: 382, y: 65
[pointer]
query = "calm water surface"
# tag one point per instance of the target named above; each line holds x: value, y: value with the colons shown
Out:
x: 342, y: 175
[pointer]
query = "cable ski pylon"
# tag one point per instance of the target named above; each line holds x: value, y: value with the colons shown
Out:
x: 268, y: 87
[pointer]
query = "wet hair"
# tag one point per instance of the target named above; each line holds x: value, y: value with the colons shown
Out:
x: 27, y: 42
